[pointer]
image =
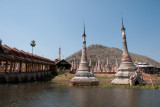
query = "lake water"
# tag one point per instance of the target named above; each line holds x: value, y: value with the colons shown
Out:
x: 46, y: 94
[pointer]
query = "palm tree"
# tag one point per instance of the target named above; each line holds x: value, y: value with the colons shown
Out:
x: 33, y: 44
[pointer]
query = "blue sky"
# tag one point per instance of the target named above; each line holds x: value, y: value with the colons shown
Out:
x: 59, y: 23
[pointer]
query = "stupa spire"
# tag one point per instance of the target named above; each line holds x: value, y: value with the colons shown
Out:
x: 127, y: 70
x: 125, y: 56
x: 84, y: 63
x: 83, y: 76
x: 59, y: 58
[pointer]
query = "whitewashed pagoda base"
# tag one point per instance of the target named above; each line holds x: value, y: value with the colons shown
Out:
x: 128, y: 78
x: 84, y: 81
x: 121, y: 81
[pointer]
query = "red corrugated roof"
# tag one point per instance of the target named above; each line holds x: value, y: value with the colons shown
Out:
x: 24, y: 55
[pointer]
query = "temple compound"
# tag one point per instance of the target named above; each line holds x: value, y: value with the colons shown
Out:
x: 146, y: 68
x: 127, y: 73
x: 83, y: 76
x: 99, y: 67
x: 17, y: 65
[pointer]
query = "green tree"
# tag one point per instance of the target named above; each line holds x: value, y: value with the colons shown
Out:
x: 33, y: 44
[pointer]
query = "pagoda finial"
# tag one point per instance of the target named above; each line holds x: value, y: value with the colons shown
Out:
x: 84, y: 34
x: 123, y: 25
x: 84, y: 28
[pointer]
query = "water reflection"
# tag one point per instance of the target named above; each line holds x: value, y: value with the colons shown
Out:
x: 100, y: 97
x: 45, y: 94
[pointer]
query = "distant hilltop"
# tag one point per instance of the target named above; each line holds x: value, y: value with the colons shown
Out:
x: 101, y: 52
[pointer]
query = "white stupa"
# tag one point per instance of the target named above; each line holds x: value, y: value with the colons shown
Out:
x: 83, y: 76
x: 127, y: 71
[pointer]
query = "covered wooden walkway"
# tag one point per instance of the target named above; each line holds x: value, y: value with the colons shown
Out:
x: 18, y: 65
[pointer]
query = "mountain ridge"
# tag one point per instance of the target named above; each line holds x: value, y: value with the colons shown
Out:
x: 101, y: 52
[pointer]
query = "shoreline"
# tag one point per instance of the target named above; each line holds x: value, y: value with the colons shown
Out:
x: 104, y: 81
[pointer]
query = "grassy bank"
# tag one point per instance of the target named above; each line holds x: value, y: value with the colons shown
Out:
x: 104, y: 81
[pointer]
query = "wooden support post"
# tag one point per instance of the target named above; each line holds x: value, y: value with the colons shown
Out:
x: 11, y: 67
x: 29, y: 69
x: 38, y: 67
x: 46, y: 67
x: 20, y: 68
x: 26, y: 67
x: 32, y: 67
x: 35, y: 69
x: 49, y: 67
x: 14, y: 65
x: 42, y: 68
x: 6, y: 67
x: 0, y: 65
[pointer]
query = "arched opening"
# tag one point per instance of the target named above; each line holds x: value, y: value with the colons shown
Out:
x: 136, y: 83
